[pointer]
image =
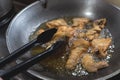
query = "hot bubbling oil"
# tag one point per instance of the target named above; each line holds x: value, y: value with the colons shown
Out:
x: 56, y: 63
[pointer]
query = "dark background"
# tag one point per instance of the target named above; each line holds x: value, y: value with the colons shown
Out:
x: 25, y: 1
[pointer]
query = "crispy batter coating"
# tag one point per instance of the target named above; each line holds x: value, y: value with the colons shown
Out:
x: 80, y: 22
x: 74, y: 57
x: 90, y: 65
x: 79, y: 47
x: 101, y: 45
x: 99, y: 24
x: 92, y: 34
x: 40, y: 31
x: 81, y: 42
x: 63, y: 31
x: 56, y: 23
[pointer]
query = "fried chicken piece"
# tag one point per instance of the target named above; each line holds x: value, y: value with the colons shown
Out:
x: 90, y: 65
x: 99, y: 24
x: 97, y: 28
x: 40, y: 31
x: 56, y: 23
x: 92, y: 34
x: 79, y: 47
x: 101, y: 45
x: 80, y: 22
x: 80, y: 42
x: 78, y: 33
x: 102, y: 64
x: 81, y: 35
x: 64, y: 31
x: 74, y: 57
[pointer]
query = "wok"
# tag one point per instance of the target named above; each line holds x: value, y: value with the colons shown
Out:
x: 29, y: 19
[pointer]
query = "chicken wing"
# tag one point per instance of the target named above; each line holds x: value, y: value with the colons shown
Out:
x: 64, y: 31
x: 74, y: 57
x: 80, y: 22
x: 99, y: 24
x: 101, y: 45
x: 90, y: 65
x: 40, y: 31
x: 56, y: 23
x: 92, y: 34
x: 79, y: 47
x: 80, y: 42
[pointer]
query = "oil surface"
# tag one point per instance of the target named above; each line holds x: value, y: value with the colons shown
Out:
x: 56, y: 63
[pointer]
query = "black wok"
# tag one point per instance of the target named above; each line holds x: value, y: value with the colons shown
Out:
x: 32, y: 16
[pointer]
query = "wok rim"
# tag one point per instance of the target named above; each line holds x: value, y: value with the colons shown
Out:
x: 40, y: 76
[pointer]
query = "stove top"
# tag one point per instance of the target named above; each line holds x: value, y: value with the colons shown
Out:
x: 3, y: 48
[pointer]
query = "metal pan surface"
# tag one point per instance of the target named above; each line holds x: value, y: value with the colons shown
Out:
x: 29, y: 19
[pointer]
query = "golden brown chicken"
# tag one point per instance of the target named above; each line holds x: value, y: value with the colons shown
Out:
x: 74, y: 57
x: 80, y: 22
x: 101, y: 45
x: 99, y: 24
x: 90, y: 65
x: 56, y: 23
x: 92, y: 34
x: 64, y: 31
x: 80, y: 42
x: 79, y: 47
x: 40, y: 31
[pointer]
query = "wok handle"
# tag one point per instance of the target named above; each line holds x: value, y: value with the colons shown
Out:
x: 25, y: 65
